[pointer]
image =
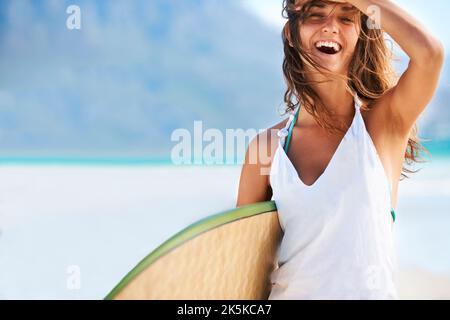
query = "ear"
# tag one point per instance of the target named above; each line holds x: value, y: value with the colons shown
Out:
x: 287, y: 33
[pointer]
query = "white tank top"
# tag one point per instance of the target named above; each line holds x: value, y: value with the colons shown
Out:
x: 338, y: 240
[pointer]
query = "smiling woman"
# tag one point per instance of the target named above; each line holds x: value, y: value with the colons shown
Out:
x: 336, y: 166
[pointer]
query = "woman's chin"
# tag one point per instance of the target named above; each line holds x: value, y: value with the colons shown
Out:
x: 333, y: 66
x: 332, y: 62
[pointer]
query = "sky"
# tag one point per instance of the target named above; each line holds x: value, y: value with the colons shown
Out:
x: 133, y: 73
x: 139, y: 69
x: 432, y: 14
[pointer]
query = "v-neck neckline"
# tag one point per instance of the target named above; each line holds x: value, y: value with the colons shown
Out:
x: 330, y: 162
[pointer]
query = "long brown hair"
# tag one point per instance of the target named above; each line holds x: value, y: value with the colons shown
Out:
x: 370, y: 73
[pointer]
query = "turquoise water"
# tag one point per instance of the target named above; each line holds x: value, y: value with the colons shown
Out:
x: 437, y: 149
x: 91, y: 161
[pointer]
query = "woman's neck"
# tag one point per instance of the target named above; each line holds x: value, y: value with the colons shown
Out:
x: 336, y: 99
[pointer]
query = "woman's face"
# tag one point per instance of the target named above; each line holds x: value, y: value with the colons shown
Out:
x: 329, y: 34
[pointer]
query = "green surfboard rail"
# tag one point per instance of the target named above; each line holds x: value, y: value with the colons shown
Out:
x: 190, y: 232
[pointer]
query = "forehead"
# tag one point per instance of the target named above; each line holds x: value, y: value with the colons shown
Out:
x: 322, y: 4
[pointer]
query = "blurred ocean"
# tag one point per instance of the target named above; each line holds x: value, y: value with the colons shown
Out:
x: 103, y: 219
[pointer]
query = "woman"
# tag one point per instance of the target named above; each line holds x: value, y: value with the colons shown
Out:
x: 334, y: 165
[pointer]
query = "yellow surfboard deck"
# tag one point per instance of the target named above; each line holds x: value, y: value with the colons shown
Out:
x: 229, y: 255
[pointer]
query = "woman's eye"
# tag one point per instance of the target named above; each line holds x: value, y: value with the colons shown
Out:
x: 316, y: 16
x: 320, y: 17
x: 347, y: 20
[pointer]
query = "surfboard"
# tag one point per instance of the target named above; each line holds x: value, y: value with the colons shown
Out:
x: 228, y: 255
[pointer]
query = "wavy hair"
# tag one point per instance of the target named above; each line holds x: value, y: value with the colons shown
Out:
x: 370, y: 73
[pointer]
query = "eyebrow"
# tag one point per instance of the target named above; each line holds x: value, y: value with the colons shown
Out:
x: 348, y: 9
x: 323, y: 4
x: 318, y: 4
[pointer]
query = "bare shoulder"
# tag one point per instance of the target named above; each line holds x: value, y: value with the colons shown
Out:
x: 265, y: 144
x: 254, y: 183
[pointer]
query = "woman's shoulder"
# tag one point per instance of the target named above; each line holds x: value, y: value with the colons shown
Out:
x: 254, y: 182
x: 265, y: 143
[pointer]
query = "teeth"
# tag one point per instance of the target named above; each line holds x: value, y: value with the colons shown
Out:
x: 329, y: 44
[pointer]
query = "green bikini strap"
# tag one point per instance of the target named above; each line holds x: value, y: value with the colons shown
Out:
x: 390, y: 201
x: 393, y: 214
x: 291, y: 126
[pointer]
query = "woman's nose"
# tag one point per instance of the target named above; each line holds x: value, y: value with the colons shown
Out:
x: 330, y: 26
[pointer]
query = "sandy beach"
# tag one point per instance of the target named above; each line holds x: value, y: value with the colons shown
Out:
x: 103, y: 220
x: 417, y: 283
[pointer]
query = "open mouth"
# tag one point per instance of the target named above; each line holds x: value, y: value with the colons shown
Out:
x: 328, y: 47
